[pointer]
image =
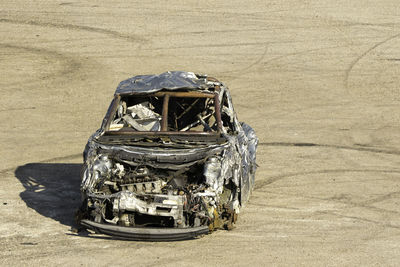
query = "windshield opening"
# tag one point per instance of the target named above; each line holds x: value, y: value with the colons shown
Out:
x: 166, y: 112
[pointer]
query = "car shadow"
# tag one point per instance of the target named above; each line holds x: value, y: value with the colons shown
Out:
x: 51, y: 189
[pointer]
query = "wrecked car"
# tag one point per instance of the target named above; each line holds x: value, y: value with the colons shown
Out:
x: 171, y: 161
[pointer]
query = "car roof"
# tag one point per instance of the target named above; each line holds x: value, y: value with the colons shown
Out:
x: 170, y: 80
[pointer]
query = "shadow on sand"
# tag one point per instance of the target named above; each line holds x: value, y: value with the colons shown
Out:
x: 51, y: 189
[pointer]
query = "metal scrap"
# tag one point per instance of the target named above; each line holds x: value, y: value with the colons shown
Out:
x: 170, y: 153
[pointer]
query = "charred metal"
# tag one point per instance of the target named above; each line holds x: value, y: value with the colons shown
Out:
x: 171, y: 161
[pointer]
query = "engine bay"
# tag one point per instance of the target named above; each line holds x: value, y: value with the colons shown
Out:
x: 130, y: 194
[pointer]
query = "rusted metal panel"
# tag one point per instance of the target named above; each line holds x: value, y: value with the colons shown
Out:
x: 218, y: 112
x: 164, y: 122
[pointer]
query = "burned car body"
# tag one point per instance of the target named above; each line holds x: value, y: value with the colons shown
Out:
x: 170, y: 161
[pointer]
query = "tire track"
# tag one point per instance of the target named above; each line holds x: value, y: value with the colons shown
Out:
x: 243, y: 70
x: 257, y: 61
x: 365, y: 53
x: 378, y: 223
x: 204, y: 46
x: 341, y: 199
x: 272, y: 179
x: 17, y: 109
x: 362, y: 149
x: 344, y: 200
x: 70, y: 65
x: 115, y: 34
x: 382, y: 198
x: 367, y: 204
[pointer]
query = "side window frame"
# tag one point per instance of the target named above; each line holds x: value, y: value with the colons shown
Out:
x: 226, y: 101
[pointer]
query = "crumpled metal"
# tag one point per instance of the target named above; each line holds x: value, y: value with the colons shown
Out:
x: 170, y: 80
x: 142, y: 118
x: 228, y: 166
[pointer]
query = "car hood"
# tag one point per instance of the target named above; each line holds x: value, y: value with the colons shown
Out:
x: 163, y: 157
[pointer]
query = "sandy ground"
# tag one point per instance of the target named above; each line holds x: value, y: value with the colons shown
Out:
x: 318, y: 80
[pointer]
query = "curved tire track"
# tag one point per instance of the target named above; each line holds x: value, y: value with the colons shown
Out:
x: 70, y: 65
x: 244, y: 70
x: 343, y: 200
x: 365, y: 53
x: 367, y: 204
x: 115, y: 34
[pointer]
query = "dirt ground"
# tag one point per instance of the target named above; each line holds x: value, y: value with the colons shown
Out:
x: 318, y: 80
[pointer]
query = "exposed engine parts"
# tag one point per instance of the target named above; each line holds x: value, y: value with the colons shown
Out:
x: 130, y: 195
x: 170, y: 161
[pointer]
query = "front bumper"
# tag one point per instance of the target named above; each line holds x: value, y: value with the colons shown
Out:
x: 146, y: 234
